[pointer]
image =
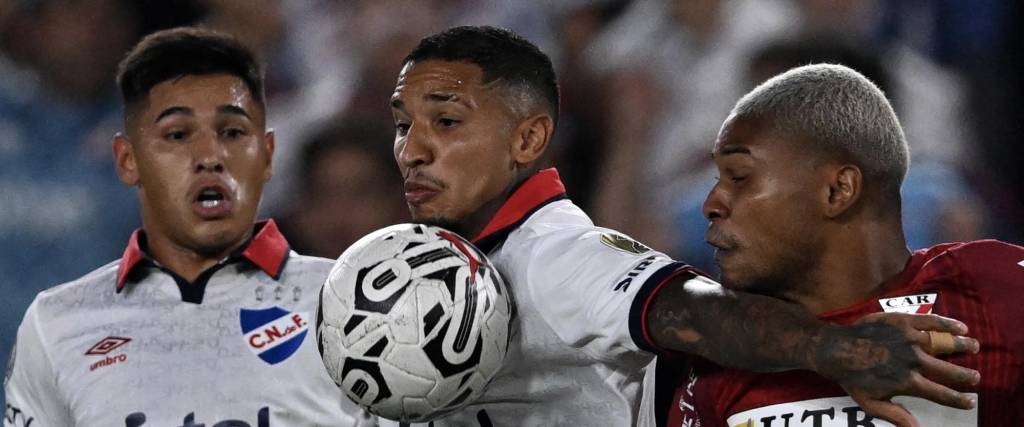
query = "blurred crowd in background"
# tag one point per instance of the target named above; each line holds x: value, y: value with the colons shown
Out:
x: 645, y: 86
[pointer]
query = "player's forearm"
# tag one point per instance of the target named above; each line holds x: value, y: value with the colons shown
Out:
x: 766, y: 334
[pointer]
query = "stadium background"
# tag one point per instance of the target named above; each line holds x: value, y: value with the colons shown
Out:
x: 645, y: 86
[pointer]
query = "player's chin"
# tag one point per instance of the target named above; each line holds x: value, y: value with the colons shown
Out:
x: 733, y: 277
x: 728, y: 281
x: 442, y: 221
x: 421, y: 212
x: 215, y: 237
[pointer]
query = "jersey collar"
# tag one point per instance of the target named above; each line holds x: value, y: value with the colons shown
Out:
x: 537, y: 191
x: 268, y: 250
x: 901, y: 284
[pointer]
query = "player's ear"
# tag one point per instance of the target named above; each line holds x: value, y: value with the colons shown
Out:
x: 268, y: 146
x: 532, y: 138
x: 845, y: 188
x: 124, y: 160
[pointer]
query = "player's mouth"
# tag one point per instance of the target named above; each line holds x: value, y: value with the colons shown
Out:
x: 212, y: 201
x: 723, y: 255
x: 725, y: 245
x: 418, y: 191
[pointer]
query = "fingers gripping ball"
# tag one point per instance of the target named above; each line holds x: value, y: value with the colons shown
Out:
x: 413, y: 322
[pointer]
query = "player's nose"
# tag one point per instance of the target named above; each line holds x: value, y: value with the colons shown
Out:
x: 715, y: 206
x: 207, y: 153
x: 416, y: 148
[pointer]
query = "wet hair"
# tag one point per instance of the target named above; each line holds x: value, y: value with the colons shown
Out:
x: 842, y: 113
x: 183, y: 51
x: 507, y: 60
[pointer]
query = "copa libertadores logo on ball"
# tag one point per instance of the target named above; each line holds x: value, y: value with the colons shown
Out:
x: 273, y: 334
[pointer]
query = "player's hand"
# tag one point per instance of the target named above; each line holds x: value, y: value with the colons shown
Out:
x: 912, y: 367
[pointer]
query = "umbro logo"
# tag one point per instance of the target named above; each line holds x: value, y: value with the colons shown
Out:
x: 103, y: 348
x: 107, y: 345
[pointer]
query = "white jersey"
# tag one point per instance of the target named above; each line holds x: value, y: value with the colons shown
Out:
x: 131, y: 344
x: 579, y: 350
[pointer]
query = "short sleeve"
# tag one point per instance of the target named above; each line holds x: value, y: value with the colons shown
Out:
x: 592, y: 286
x: 30, y: 385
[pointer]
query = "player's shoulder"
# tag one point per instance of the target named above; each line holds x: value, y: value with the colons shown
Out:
x: 977, y: 252
x: 104, y: 277
x: 296, y: 259
x: 558, y: 217
x: 307, y: 267
x: 70, y: 297
x: 988, y: 265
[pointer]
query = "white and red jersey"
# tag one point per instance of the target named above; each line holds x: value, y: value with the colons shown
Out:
x: 578, y: 351
x: 133, y: 344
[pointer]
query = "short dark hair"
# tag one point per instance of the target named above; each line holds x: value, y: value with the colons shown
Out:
x: 177, y: 52
x: 501, y: 54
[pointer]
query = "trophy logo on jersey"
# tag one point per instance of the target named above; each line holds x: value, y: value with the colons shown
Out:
x: 623, y: 243
x: 273, y: 334
x: 912, y: 304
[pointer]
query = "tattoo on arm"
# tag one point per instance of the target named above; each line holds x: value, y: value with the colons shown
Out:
x: 765, y: 334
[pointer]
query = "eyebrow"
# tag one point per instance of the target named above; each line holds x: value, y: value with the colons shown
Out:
x: 432, y: 97
x: 223, y: 109
x: 442, y: 97
x: 233, y: 109
x: 172, y: 111
x: 731, y: 149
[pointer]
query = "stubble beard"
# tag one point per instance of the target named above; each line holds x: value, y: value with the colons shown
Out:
x: 449, y: 224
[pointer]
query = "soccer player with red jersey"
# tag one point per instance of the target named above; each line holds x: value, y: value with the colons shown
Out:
x: 807, y: 209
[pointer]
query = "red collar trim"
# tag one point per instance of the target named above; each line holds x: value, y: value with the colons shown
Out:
x: 542, y: 187
x: 268, y: 250
x: 133, y: 255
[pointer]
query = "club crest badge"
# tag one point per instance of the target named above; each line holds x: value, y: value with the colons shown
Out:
x: 273, y: 334
x: 913, y: 304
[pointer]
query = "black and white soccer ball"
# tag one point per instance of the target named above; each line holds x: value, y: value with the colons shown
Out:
x: 413, y: 322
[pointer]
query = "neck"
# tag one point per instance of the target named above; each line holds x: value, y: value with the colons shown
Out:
x: 187, y: 262
x: 856, y: 264
x: 471, y: 227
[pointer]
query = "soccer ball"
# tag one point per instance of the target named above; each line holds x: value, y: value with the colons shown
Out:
x: 413, y: 322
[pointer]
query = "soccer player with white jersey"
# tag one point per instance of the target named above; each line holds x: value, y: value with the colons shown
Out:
x: 206, y: 318
x: 474, y: 109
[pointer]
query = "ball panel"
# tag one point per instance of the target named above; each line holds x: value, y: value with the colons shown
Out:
x: 414, y: 324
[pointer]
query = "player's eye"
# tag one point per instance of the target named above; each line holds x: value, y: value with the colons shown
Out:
x: 232, y: 133
x: 402, y: 128
x: 446, y: 122
x: 178, y: 135
x: 739, y: 178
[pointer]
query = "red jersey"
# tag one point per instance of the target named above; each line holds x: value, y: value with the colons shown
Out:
x: 979, y: 283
